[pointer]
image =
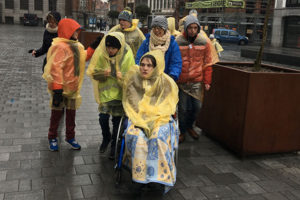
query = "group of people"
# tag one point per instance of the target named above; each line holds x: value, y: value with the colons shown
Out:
x: 142, y: 77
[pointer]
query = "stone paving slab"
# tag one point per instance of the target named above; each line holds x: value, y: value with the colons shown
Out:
x: 28, y: 170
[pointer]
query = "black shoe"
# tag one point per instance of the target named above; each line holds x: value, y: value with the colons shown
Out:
x: 112, y: 154
x: 104, y: 145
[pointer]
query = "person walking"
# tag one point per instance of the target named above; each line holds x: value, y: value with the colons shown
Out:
x: 107, y: 69
x: 198, y: 56
x: 64, y: 73
x: 128, y: 26
x: 161, y: 39
x: 216, y: 44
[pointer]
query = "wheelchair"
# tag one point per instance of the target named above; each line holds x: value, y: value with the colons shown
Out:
x: 120, y: 149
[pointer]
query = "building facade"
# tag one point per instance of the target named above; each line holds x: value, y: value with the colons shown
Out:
x: 286, y: 24
x: 13, y: 11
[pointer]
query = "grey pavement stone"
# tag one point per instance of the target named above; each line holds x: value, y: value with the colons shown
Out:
x: 274, y: 196
x: 24, y: 185
x: 13, y: 174
x: 9, y: 165
x: 76, y: 192
x: 224, y: 179
x: 90, y: 191
x: 274, y: 186
x: 3, y: 175
x: 25, y: 155
x: 9, y: 186
x: 192, y: 193
x: 252, y: 188
x: 8, y: 149
x: 217, y: 192
x: 74, y: 180
x: 1, y: 196
x: 246, y: 176
x: 4, y: 156
x: 33, y: 195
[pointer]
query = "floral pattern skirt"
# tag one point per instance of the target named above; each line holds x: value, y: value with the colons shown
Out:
x: 152, y: 159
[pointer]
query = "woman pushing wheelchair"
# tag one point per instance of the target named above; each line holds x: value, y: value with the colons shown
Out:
x: 149, y: 99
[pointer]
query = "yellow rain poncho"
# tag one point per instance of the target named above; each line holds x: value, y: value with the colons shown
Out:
x: 217, y: 45
x: 109, y: 88
x: 171, y: 27
x: 133, y: 35
x: 150, y: 102
x: 65, y: 67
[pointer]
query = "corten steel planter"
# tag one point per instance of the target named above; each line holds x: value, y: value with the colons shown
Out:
x: 253, y: 112
x: 87, y: 37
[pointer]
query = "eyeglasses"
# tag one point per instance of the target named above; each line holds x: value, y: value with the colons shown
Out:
x: 144, y: 65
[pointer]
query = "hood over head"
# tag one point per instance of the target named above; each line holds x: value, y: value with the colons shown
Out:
x: 67, y: 27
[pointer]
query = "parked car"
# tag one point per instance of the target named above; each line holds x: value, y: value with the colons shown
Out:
x: 30, y: 20
x: 227, y: 35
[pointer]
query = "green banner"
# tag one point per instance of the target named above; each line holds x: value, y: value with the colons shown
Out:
x: 215, y: 4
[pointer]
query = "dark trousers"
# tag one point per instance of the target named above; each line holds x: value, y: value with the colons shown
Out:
x: 104, y: 123
x: 188, y: 108
x: 54, y: 123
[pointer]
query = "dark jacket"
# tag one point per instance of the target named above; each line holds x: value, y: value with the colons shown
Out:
x: 47, y: 40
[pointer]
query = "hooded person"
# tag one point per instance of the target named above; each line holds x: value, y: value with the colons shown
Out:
x: 64, y: 73
x: 53, y: 18
x: 108, y: 66
x: 129, y: 27
x: 149, y: 99
x: 216, y: 44
x: 171, y: 27
x: 199, y: 55
x: 161, y: 39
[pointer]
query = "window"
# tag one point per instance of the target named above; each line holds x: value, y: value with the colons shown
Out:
x: 233, y: 33
x: 250, y: 6
x: 217, y: 33
x: 38, y: 5
x: 24, y: 5
x: 292, y: 3
x: 225, y: 33
x: 52, y: 5
x: 9, y: 4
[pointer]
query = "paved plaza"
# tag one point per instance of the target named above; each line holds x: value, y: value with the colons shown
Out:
x: 28, y: 170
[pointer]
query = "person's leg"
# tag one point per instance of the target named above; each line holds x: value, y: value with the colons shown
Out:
x: 115, y: 121
x: 182, y: 113
x: 54, y: 123
x: 104, y: 124
x: 192, y: 115
x: 70, y: 124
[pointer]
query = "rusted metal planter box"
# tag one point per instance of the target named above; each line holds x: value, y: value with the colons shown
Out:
x: 87, y: 37
x: 253, y: 112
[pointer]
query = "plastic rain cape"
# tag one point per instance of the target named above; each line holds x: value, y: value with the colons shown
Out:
x: 133, y: 35
x: 65, y: 66
x: 150, y: 102
x: 110, y: 87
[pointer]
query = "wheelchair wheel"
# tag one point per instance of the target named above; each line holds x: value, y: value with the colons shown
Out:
x: 118, y: 176
x: 118, y: 140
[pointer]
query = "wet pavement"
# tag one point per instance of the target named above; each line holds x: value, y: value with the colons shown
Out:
x: 28, y: 170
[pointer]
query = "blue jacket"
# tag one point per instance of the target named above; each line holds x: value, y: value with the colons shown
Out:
x: 172, y: 57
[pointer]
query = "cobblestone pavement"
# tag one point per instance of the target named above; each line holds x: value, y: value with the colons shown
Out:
x: 28, y: 170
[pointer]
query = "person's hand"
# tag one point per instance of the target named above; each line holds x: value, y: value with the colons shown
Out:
x: 33, y: 53
x: 57, y: 97
x: 119, y: 75
x: 107, y: 72
x: 207, y: 86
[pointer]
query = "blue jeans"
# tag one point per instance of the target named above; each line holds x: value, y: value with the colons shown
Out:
x: 188, y: 109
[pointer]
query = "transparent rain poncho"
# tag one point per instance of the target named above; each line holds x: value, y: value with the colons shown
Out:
x: 109, y: 88
x: 65, y: 66
x: 133, y: 35
x: 150, y: 102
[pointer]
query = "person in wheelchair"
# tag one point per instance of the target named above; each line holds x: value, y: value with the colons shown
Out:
x: 149, y: 99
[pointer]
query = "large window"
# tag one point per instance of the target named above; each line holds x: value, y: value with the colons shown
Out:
x: 38, y: 5
x: 52, y: 5
x: 292, y: 3
x: 24, y: 5
x: 9, y: 4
